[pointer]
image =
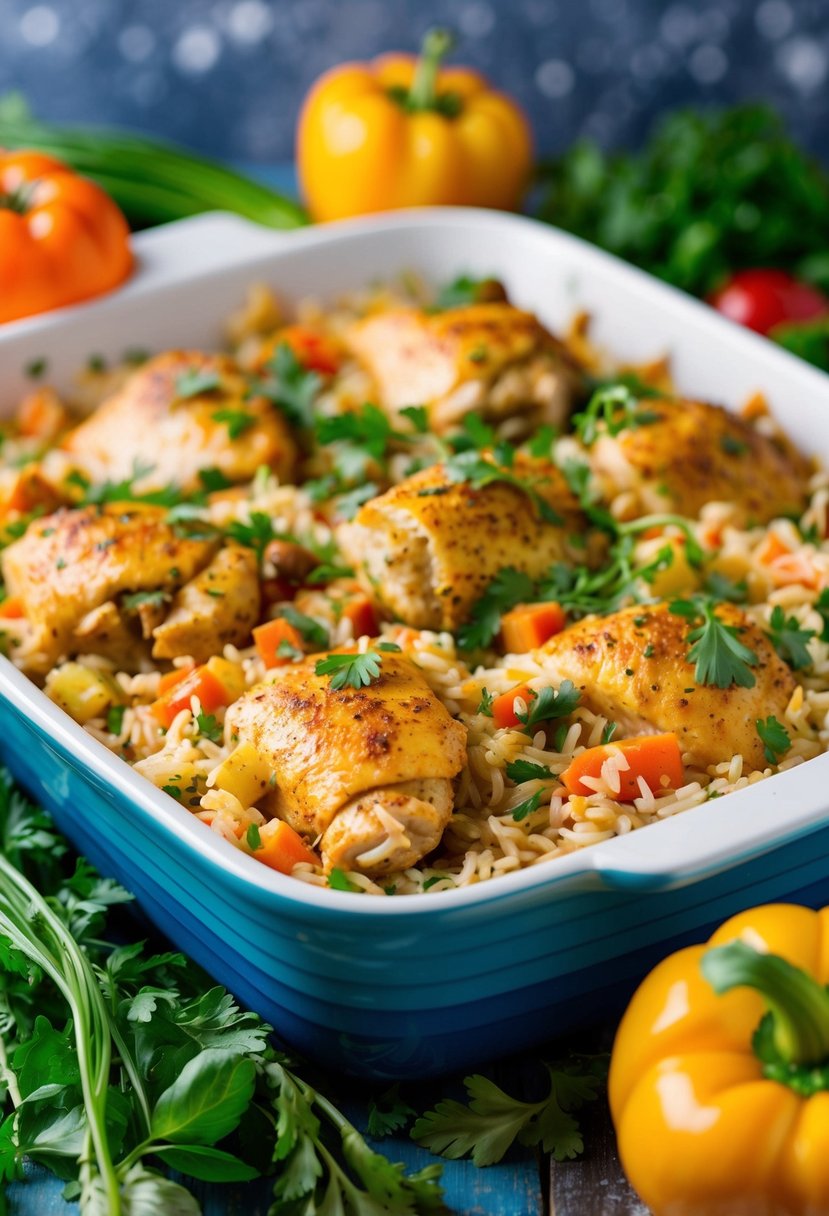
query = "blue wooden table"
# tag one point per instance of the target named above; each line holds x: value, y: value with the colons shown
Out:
x: 525, y: 1185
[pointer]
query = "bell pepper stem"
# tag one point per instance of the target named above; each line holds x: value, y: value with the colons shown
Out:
x: 436, y: 46
x: 798, y: 1004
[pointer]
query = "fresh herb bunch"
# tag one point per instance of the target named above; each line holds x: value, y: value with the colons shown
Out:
x: 710, y: 193
x: 115, y: 1061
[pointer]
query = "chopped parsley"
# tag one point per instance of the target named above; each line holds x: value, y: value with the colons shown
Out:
x: 290, y: 386
x: 463, y: 291
x: 286, y: 651
x: 723, y: 588
x: 213, y: 479
x: 485, y: 703
x: 349, y: 504
x: 474, y: 469
x: 526, y: 770
x: 418, y: 415
x: 115, y: 719
x: 609, y: 731
x: 236, y: 421
x: 775, y: 738
x: 508, y: 588
x: 326, y: 573
x: 789, y: 640
x: 137, y: 599
x: 209, y: 727
x: 253, y: 838
x: 614, y: 408
x: 721, y: 658
x: 732, y: 446
x: 308, y: 628
x: 527, y: 807
x: 338, y: 881
x: 256, y: 534
x: 821, y: 606
x: 173, y: 790
x: 195, y: 382
x: 542, y: 441
x: 353, y: 670
x: 549, y: 704
x: 36, y: 368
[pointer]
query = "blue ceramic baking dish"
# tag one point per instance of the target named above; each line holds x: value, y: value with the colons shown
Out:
x: 416, y: 985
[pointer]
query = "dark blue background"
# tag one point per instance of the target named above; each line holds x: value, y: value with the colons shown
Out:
x: 227, y: 76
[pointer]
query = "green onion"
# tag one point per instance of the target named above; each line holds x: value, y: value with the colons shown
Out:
x: 152, y: 182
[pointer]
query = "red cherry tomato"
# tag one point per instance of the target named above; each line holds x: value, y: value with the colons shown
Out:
x: 761, y: 299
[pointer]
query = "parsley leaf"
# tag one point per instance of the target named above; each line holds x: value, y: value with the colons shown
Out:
x: 723, y: 588
x: 136, y: 599
x: 549, y: 703
x: 213, y: 479
x: 256, y: 534
x: 194, y: 382
x: 493, y: 1120
x: 775, y: 738
x: 308, y: 628
x: 614, y: 408
x: 209, y: 727
x: 388, y: 1112
x: 292, y: 388
x: 465, y: 290
x: 338, y: 881
x: 253, y: 837
x: 526, y: 770
x: 479, y: 472
x: 350, y: 670
x: 485, y: 703
x: 349, y: 504
x: 821, y: 606
x: 115, y: 719
x: 721, y: 658
x: 542, y: 442
x: 528, y: 806
x: 508, y: 588
x: 418, y: 415
x: 236, y: 421
x: 789, y: 640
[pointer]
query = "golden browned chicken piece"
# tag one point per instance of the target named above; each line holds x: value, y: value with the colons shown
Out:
x: 490, y: 358
x: 163, y: 422
x: 429, y: 547
x: 367, y: 769
x: 77, y: 574
x: 219, y: 606
x: 633, y: 668
x: 688, y: 453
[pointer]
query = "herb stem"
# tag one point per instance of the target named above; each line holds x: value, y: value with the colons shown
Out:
x: 8, y: 1075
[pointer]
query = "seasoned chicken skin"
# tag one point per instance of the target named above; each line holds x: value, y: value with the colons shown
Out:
x: 633, y: 668
x: 688, y: 453
x: 219, y: 606
x: 429, y: 547
x: 490, y: 358
x: 369, y: 769
x: 69, y: 568
x: 152, y: 424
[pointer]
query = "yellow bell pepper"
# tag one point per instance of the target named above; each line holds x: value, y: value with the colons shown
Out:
x: 719, y: 1078
x: 406, y: 132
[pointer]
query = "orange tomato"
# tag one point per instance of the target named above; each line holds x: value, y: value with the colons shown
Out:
x: 62, y: 239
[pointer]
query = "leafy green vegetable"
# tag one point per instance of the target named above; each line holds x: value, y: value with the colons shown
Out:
x: 528, y: 806
x: 527, y: 770
x: 418, y: 415
x: 508, y: 588
x: 721, y: 658
x: 152, y: 182
x: 308, y: 628
x: 548, y: 704
x: 114, y: 1057
x: 353, y: 670
x: 807, y: 339
x: 485, y: 703
x: 256, y: 534
x: 115, y: 719
x: 493, y: 1121
x: 463, y: 291
x: 290, y: 386
x: 236, y: 421
x: 789, y: 640
x: 775, y: 738
x: 388, y: 1112
x: 196, y: 381
x: 478, y: 472
x: 614, y: 408
x: 209, y: 727
x: 711, y: 193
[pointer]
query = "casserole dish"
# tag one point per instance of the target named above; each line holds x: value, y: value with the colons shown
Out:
x: 413, y: 986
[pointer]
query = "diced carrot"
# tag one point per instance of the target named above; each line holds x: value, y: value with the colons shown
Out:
x: 42, y: 415
x: 503, y: 713
x: 11, y: 608
x: 173, y: 677
x: 282, y: 847
x: 313, y: 349
x: 756, y: 406
x: 770, y: 548
x: 201, y: 683
x: 528, y: 626
x: 363, y: 616
x: 656, y: 758
x: 270, y: 636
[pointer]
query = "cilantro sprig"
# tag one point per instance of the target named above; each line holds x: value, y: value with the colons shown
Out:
x: 354, y: 670
x: 493, y: 1120
x: 549, y: 704
x: 720, y: 657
